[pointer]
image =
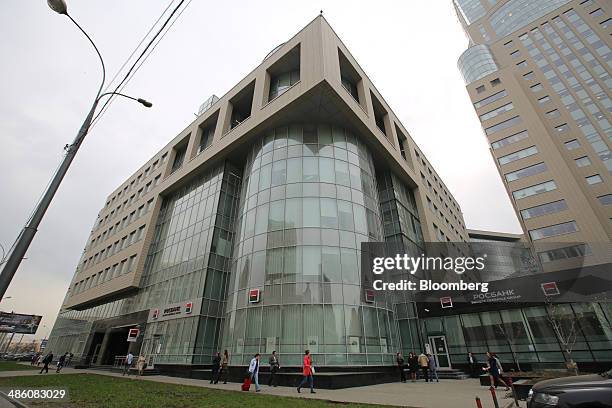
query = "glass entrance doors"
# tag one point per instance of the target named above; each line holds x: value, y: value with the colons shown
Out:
x: 439, y: 350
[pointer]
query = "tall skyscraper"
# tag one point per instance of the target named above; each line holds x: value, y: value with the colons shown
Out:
x: 538, y: 74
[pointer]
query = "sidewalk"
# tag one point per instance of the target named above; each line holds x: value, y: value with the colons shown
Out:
x: 445, y: 394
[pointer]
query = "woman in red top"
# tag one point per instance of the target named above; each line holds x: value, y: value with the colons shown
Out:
x: 307, y: 372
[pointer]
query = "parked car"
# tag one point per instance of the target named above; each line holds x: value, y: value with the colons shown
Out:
x: 582, y: 391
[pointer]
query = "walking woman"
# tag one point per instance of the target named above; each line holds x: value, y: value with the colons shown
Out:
x: 224, y: 366
x: 494, y: 368
x: 307, y: 372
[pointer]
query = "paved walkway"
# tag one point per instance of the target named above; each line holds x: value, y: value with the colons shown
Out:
x: 445, y: 394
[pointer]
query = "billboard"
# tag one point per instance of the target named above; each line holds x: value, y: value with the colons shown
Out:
x: 19, y: 323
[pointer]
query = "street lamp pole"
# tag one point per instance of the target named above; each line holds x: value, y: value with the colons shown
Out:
x: 27, y: 234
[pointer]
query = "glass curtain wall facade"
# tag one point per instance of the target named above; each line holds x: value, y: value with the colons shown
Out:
x: 526, y: 334
x: 309, y: 200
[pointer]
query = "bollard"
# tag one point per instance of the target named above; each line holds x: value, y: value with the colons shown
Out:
x: 494, y: 396
x: 511, y: 384
x: 478, y: 403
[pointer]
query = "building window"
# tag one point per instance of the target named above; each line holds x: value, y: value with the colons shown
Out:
x: 597, y: 13
x: 562, y: 128
x: 509, y: 140
x: 480, y: 89
x: 402, y: 141
x: 572, y: 144
x: 574, y: 251
x: 521, y: 154
x: 544, y: 100
x: 522, y: 64
x: 508, y: 44
x: 605, y: 199
x: 379, y: 114
x: 496, y: 112
x: 280, y: 83
x: 515, y: 54
x: 526, y: 172
x: 544, y: 209
x: 284, y: 73
x: 586, y: 3
x: 179, y: 157
x: 594, y: 179
x: 536, y: 88
x: 349, y: 77
x: 241, y: 105
x: 606, y: 23
x: 490, y: 99
x: 553, y: 230
x: 583, y: 161
x: 206, y: 137
x: 553, y: 114
x: 495, y: 82
x: 534, y: 190
x: 529, y: 76
x: 503, y: 125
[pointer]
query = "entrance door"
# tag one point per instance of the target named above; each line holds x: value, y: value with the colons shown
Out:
x: 439, y: 350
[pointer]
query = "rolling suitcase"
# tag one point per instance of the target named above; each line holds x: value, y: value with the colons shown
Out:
x: 246, y: 385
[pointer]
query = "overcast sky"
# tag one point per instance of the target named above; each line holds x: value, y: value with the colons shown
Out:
x: 49, y: 74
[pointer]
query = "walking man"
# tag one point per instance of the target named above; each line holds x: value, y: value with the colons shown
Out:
x: 224, y: 366
x: 61, y: 362
x: 254, y: 371
x: 46, y: 361
x: 433, y: 367
x: 307, y: 371
x: 129, y: 359
x: 216, y: 365
x: 274, y: 367
x: 400, y: 365
x: 424, y: 364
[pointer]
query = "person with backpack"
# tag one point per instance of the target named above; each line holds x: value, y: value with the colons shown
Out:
x: 46, y: 361
x: 400, y: 365
x: 307, y: 371
x: 495, y: 370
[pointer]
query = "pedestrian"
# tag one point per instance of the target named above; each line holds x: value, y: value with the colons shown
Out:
x: 34, y: 359
x: 433, y: 368
x: 307, y: 371
x: 274, y: 367
x: 424, y: 364
x: 400, y: 365
x: 254, y: 371
x: 129, y: 359
x: 473, y: 363
x: 224, y: 366
x: 495, y: 370
x: 40, y: 360
x: 69, y: 359
x: 216, y: 365
x: 60, y: 362
x: 46, y: 361
x: 413, y: 365
x: 141, y: 364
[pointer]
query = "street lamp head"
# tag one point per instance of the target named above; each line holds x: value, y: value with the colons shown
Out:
x: 144, y: 102
x: 59, y: 6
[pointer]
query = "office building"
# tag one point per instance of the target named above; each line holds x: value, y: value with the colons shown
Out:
x: 243, y: 233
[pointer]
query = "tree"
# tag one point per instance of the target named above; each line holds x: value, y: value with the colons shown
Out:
x: 566, y: 326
